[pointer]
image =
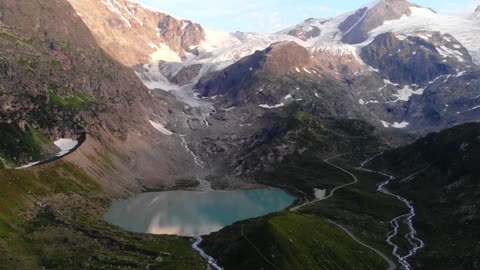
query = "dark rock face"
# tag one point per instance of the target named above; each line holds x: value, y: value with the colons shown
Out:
x: 305, y: 33
x: 357, y: 26
x: 352, y: 20
x: 449, y: 101
x: 186, y: 74
x: 415, y: 60
x: 307, y: 30
x: 235, y: 77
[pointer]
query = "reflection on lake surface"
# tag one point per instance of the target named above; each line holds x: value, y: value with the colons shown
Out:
x: 190, y: 213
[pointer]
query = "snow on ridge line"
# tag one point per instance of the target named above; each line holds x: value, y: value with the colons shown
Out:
x: 161, y: 128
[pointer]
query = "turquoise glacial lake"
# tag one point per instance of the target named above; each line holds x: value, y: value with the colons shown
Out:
x: 191, y: 213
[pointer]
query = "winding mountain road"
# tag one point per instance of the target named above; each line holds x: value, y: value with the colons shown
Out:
x: 332, y: 192
x: 391, y: 264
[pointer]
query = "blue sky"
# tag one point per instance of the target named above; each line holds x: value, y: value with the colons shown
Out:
x: 274, y: 15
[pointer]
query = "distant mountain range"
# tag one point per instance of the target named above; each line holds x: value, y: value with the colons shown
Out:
x: 396, y: 60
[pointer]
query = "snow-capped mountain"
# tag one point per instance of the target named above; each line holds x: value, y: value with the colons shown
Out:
x: 390, y: 53
x: 353, y: 27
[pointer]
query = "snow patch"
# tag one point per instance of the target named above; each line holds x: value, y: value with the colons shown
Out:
x: 161, y: 128
x: 65, y: 145
x: 406, y: 92
x: 31, y: 164
x: 266, y: 106
x: 398, y: 125
x: 164, y: 53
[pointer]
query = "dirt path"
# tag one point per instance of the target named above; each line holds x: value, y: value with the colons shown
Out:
x: 391, y: 264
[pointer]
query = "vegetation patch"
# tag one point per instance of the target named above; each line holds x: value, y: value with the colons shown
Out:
x: 17, y: 145
x: 80, y: 101
x: 8, y: 37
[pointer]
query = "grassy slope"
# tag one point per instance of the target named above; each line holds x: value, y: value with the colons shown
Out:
x: 51, y: 217
x: 289, y: 241
x: 310, y: 243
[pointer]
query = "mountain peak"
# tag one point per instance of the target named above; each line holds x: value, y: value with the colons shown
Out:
x: 391, y: 3
x: 356, y: 27
x: 477, y: 10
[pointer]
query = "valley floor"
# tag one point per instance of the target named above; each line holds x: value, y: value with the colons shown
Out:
x: 355, y: 210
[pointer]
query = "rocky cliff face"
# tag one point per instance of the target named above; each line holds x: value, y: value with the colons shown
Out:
x: 133, y: 34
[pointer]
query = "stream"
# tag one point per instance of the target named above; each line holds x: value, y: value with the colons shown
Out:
x: 407, y: 219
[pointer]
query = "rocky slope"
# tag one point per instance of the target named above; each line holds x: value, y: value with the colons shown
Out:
x: 133, y: 34
x: 57, y: 82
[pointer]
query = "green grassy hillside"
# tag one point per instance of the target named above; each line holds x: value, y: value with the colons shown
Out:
x: 289, y: 241
x: 51, y: 218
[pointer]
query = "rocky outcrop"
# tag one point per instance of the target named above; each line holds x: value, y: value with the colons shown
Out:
x: 305, y: 31
x: 133, y: 34
x: 187, y: 74
x: 417, y: 59
x: 281, y: 59
x: 356, y: 27
x: 180, y: 35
